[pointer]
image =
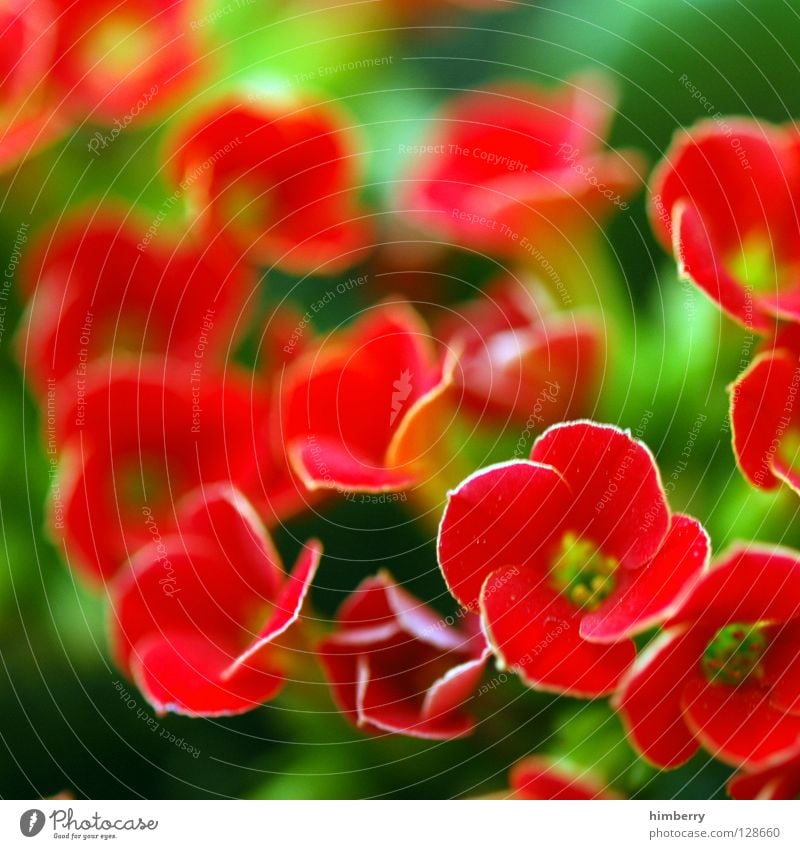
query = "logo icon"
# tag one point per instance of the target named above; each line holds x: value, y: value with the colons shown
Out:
x: 402, y: 389
x: 31, y: 822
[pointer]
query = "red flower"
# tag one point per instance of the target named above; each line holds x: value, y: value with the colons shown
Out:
x: 98, y: 287
x: 772, y: 782
x: 280, y: 174
x: 765, y: 414
x: 31, y: 115
x: 521, y: 359
x: 726, y: 675
x: 506, y: 165
x: 395, y: 665
x: 183, y: 615
x: 542, y: 778
x: 334, y: 440
x: 123, y: 62
x: 137, y: 438
x: 724, y: 200
x: 569, y: 556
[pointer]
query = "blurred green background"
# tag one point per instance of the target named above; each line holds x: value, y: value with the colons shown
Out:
x: 63, y: 724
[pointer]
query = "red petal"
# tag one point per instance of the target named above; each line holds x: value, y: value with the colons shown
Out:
x: 221, y: 513
x: 735, y: 189
x: 619, y: 502
x: 747, y: 584
x: 541, y: 778
x: 650, y: 698
x: 456, y: 687
x: 136, y: 425
x: 182, y: 673
x: 292, y: 161
x: 647, y: 596
x: 518, y: 156
x: 99, y: 288
x: 535, y: 632
x: 761, y: 415
x: 397, y: 666
x: 212, y: 579
x: 778, y: 782
x: 333, y: 439
x: 288, y: 604
x: 323, y: 463
x: 698, y: 262
x: 501, y: 517
x: 782, y: 668
x: 737, y: 724
x: 379, y: 704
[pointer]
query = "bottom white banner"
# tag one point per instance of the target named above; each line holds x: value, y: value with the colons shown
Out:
x: 354, y: 825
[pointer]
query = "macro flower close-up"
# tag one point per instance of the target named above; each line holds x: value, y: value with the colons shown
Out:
x: 400, y: 402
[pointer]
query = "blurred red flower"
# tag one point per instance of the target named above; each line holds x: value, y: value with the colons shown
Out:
x: 765, y: 413
x: 396, y: 665
x: 724, y: 201
x: 361, y: 411
x: 30, y: 108
x: 570, y: 555
x: 521, y: 360
x: 772, y: 782
x: 182, y: 617
x: 726, y: 673
x: 137, y: 438
x: 99, y: 286
x: 280, y: 174
x: 506, y: 167
x: 538, y: 777
x: 119, y: 62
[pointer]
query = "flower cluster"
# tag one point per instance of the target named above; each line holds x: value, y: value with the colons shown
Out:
x: 729, y: 212
x: 171, y: 457
x: 68, y: 61
x: 187, y: 422
x: 572, y: 554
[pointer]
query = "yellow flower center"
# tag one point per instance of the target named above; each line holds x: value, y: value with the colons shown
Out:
x: 582, y: 572
x: 735, y: 654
